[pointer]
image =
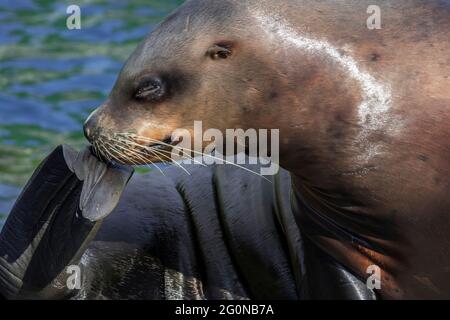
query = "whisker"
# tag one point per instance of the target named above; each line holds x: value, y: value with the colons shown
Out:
x: 154, y: 149
x: 106, y: 153
x: 129, y: 159
x: 117, y: 152
x: 135, y: 152
x: 154, y: 153
x: 111, y: 156
x: 186, y: 157
x: 174, y: 162
x: 200, y: 153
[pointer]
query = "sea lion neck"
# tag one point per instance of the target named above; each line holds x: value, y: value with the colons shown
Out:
x: 350, y: 232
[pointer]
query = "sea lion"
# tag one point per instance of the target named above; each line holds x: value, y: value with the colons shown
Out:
x: 363, y: 117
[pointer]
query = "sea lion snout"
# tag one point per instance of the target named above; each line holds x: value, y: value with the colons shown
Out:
x: 89, y: 128
x: 98, y: 123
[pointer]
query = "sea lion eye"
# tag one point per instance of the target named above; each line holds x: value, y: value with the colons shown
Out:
x: 219, y: 51
x: 150, y: 90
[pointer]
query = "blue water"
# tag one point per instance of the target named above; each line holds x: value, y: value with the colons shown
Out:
x: 51, y: 78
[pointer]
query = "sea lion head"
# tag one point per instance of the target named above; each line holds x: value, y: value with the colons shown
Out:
x: 209, y: 61
x: 200, y: 64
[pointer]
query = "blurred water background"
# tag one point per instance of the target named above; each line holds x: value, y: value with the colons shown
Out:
x: 51, y: 78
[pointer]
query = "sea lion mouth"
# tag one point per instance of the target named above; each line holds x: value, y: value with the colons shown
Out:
x: 163, y: 144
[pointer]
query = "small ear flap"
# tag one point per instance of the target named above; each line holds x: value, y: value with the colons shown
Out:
x: 219, y: 51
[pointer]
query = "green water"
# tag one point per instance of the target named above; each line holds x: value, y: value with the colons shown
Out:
x: 51, y: 78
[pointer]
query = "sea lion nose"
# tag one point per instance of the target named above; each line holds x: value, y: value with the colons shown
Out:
x: 88, y: 127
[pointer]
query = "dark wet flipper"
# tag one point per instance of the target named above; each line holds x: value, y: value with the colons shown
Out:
x: 54, y: 220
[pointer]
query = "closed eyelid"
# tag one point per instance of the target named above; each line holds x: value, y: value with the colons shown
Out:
x: 151, y: 89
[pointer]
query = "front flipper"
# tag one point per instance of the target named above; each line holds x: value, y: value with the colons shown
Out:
x: 53, y: 221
